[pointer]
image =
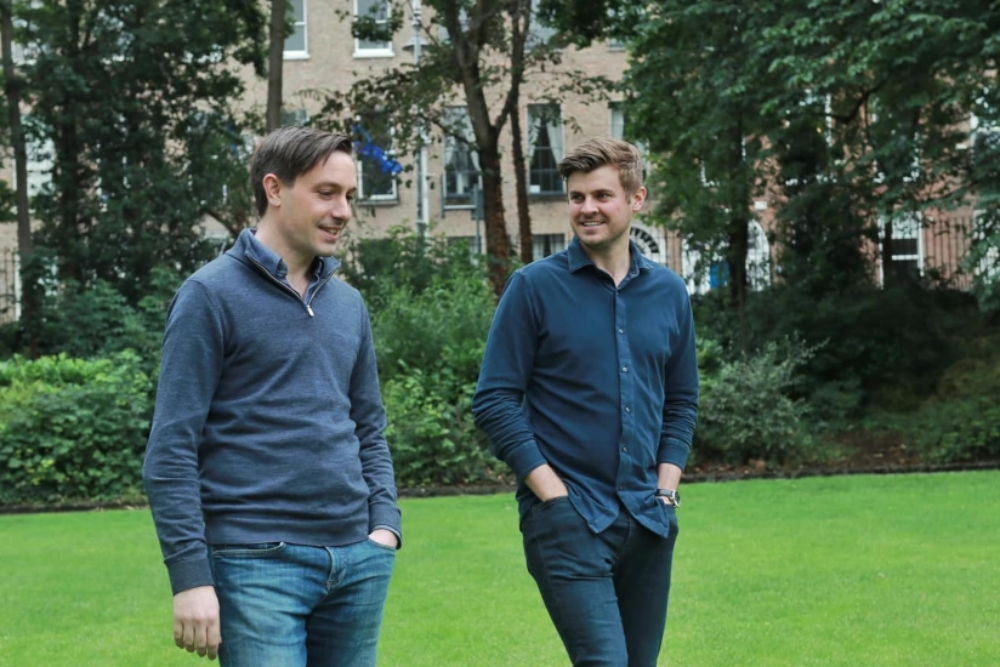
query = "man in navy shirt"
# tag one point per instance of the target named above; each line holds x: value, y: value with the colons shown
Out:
x: 589, y: 391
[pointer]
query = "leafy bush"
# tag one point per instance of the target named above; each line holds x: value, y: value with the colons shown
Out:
x: 431, y: 310
x: 746, y: 411
x: 98, y: 321
x: 72, y: 428
x: 431, y: 431
x: 868, y: 342
x: 961, y: 422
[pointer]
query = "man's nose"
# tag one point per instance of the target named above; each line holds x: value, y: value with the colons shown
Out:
x: 341, y: 210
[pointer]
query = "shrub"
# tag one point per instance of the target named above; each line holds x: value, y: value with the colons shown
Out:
x: 72, y: 428
x: 868, y: 342
x: 746, y: 411
x: 431, y: 431
x: 961, y: 422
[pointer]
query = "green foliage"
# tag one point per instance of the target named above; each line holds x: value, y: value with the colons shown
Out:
x: 431, y: 311
x: 72, y: 429
x: 135, y: 99
x: 431, y: 431
x: 865, y: 340
x: 98, y: 321
x: 746, y: 409
x: 961, y: 422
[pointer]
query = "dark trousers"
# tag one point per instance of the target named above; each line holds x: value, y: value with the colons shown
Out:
x: 606, y: 593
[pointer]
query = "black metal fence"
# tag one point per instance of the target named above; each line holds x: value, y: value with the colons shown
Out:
x: 10, y: 290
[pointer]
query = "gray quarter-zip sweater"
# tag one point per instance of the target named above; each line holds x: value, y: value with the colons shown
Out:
x: 269, y: 423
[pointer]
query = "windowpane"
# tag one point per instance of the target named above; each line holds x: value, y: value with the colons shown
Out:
x: 545, y: 139
x: 296, y: 41
x: 378, y: 10
x: 544, y: 245
x: 461, y: 162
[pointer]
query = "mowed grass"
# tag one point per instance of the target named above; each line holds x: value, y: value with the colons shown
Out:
x: 872, y: 571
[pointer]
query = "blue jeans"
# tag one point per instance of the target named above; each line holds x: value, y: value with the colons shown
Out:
x: 606, y: 593
x: 284, y: 605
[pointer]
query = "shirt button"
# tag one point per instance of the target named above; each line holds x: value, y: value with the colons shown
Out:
x: 628, y: 409
x: 624, y: 449
x: 624, y: 369
x: 620, y: 330
x: 621, y: 488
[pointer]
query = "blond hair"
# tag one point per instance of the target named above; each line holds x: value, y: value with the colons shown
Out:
x: 595, y: 153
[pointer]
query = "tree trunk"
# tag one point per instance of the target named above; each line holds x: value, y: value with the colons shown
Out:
x: 497, y: 248
x: 25, y: 245
x: 520, y: 15
x: 68, y: 169
x: 275, y: 63
x: 889, y: 276
x: 521, y: 185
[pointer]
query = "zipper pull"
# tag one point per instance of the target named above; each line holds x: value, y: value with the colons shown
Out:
x: 309, y: 308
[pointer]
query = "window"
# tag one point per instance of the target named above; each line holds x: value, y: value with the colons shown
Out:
x: 376, y: 168
x: 461, y: 161
x: 545, y: 149
x: 544, y: 245
x: 907, y: 247
x: 758, y: 264
x: 379, y: 11
x: 297, y: 43
x: 39, y: 165
x: 650, y: 241
x: 618, y: 122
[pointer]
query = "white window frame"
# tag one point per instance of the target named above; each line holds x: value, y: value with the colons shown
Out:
x: 652, y: 242
x: 384, y: 52
x: 536, y: 191
x: 897, y: 257
x: 453, y: 204
x: 615, y: 108
x: 302, y: 25
x: 365, y: 198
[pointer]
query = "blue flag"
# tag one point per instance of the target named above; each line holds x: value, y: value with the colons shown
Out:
x: 369, y: 149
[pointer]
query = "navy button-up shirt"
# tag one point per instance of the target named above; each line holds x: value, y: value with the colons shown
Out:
x: 597, y: 380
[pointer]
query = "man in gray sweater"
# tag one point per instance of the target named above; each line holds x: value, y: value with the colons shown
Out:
x: 267, y: 471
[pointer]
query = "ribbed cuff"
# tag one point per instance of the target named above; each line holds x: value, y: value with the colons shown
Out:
x: 388, y: 517
x: 190, y: 574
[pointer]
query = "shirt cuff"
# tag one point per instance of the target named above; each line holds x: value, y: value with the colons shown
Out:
x: 674, y: 452
x: 525, y: 458
x: 189, y: 574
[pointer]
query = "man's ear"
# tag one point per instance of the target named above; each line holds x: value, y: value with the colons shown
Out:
x: 638, y: 198
x: 272, y: 188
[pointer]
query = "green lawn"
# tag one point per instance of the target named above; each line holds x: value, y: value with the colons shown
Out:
x: 849, y: 571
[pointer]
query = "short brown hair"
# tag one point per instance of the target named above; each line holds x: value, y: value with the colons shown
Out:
x: 595, y: 153
x: 289, y: 152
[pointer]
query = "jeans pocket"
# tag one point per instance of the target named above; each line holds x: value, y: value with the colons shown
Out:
x: 262, y: 550
x: 551, y: 502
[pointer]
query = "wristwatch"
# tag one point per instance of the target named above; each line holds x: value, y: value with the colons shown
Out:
x: 673, y: 494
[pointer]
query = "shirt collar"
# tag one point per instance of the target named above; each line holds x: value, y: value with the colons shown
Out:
x: 247, y: 244
x: 578, y: 257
